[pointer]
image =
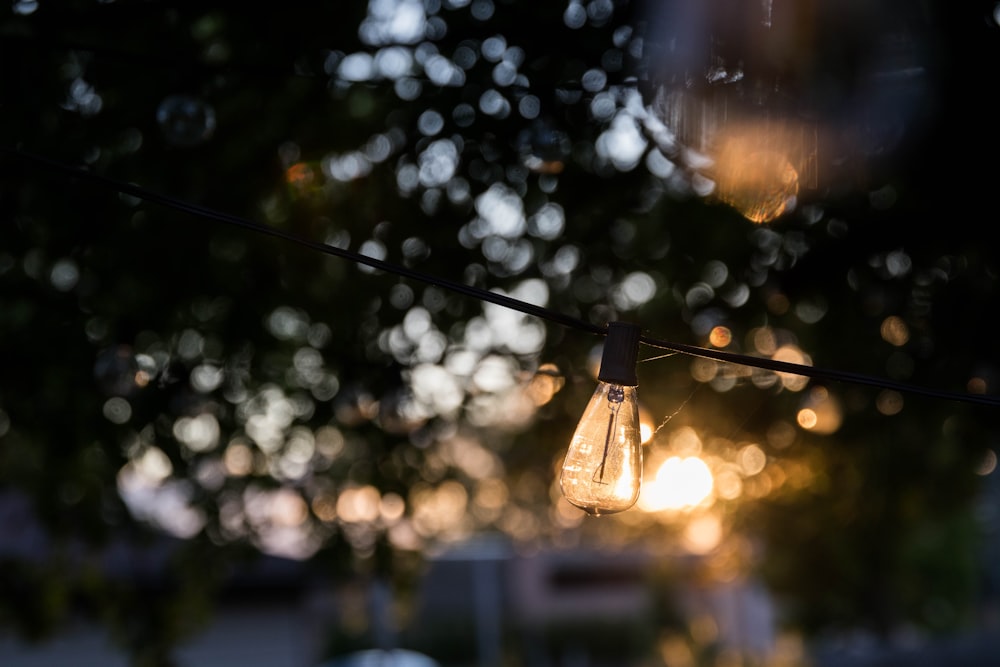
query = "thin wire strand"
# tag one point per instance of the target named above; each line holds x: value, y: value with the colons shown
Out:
x: 201, y: 211
x: 490, y: 296
x: 658, y: 357
x: 678, y: 410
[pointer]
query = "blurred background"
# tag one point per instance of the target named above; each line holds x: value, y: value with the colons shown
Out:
x: 222, y: 447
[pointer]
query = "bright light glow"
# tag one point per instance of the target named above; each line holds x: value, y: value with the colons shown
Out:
x: 720, y: 336
x: 755, y: 178
x: 438, y: 163
x: 548, y: 221
x: 545, y: 384
x: 288, y: 508
x: 793, y: 355
x: 145, y: 486
x: 680, y: 483
x: 728, y: 484
x: 436, y: 389
x: 501, y: 212
x: 622, y: 143
x: 820, y: 412
x: 685, y: 440
x: 752, y: 460
x: 647, y: 429
x: 895, y: 331
x: 636, y: 289
x: 391, y: 21
x: 238, y: 459
x: 199, y: 433
x: 391, y: 507
x: 490, y: 498
x: 471, y: 457
x: 494, y: 373
x: 441, y: 510
x: 756, y: 165
x: 279, y: 522
x: 703, y: 534
x: 359, y: 505
x: 267, y: 415
x: 764, y: 340
x: 153, y: 466
x: 324, y: 506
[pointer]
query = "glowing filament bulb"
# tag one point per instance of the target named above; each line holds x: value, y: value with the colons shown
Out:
x: 602, y: 471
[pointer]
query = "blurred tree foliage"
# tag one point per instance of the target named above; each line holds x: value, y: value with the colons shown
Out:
x: 162, y: 369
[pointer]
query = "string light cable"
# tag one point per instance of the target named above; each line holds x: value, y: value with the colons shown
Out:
x: 496, y: 298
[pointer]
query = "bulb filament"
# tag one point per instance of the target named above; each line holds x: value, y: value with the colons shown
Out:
x: 616, y: 395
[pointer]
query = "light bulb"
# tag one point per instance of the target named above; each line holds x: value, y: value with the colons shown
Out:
x: 602, y: 471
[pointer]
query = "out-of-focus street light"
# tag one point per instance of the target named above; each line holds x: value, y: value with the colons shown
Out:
x: 769, y: 102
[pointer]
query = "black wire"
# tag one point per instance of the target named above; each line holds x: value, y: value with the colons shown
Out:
x: 201, y: 211
x: 493, y: 297
x: 816, y: 372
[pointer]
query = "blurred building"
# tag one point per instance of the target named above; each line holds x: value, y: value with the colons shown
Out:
x: 477, y: 604
x: 480, y: 603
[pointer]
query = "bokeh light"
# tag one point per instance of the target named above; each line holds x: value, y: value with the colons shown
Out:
x: 988, y: 465
x: 820, y: 412
x: 889, y: 402
x: 752, y: 459
x: 680, y: 483
x: 703, y: 534
x: 185, y: 121
x: 794, y: 355
x: 720, y: 336
x: 977, y: 385
x: 895, y: 331
x: 545, y: 384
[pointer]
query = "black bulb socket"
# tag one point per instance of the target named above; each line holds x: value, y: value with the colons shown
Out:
x: 621, y: 351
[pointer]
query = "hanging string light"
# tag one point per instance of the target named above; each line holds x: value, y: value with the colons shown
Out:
x: 602, y: 471
x: 471, y: 291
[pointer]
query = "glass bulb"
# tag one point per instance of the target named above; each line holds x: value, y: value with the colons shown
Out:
x: 602, y: 471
